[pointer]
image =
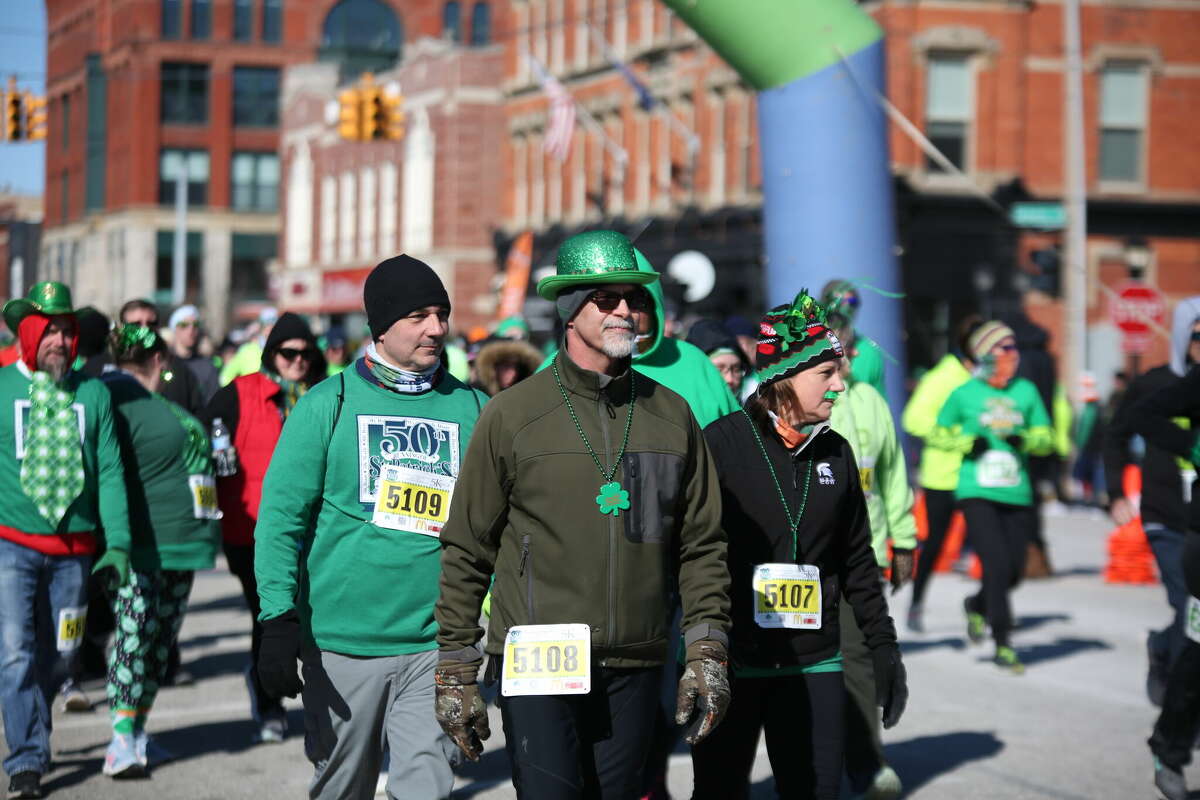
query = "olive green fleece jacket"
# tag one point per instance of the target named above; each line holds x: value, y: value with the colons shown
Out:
x: 525, y: 509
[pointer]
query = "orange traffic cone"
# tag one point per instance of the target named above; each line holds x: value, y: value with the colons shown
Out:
x: 1130, y: 559
x: 953, y: 545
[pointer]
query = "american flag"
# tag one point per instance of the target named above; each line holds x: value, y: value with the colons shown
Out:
x: 561, y: 127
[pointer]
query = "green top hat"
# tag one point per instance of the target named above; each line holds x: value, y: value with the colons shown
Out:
x: 48, y: 297
x: 592, y: 258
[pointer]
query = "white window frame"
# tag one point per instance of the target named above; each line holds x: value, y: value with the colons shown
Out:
x: 1139, y: 183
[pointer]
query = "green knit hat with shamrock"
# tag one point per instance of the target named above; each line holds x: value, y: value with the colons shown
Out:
x: 794, y: 337
x: 593, y: 258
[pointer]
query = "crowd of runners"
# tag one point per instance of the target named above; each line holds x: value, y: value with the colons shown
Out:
x: 638, y: 538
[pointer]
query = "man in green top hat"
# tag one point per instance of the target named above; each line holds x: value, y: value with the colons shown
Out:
x: 62, y: 481
x: 584, y: 488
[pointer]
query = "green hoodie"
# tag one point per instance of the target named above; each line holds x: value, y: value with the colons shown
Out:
x: 862, y: 417
x: 681, y: 367
x: 939, y: 468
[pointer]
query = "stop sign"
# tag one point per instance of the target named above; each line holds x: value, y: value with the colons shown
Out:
x: 1135, y: 307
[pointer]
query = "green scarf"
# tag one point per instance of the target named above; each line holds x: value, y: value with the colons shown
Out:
x: 291, y: 391
x: 52, y: 469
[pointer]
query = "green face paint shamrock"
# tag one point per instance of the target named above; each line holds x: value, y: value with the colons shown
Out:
x: 612, y: 499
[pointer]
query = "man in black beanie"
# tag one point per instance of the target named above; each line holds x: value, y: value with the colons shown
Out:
x: 353, y: 505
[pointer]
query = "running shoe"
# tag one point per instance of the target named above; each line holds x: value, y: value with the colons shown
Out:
x: 73, y: 698
x: 122, y: 761
x: 1169, y: 782
x: 885, y: 785
x: 26, y: 785
x: 976, y: 624
x: 1006, y: 658
x: 149, y: 752
x: 916, y: 618
x: 273, y: 728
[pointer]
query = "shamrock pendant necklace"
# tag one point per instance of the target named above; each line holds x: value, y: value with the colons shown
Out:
x: 612, y: 498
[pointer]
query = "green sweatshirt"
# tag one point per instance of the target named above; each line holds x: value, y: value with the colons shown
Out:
x: 979, y: 409
x: 102, y: 502
x: 867, y: 365
x: 364, y: 589
x: 862, y: 417
x: 939, y: 468
x: 162, y: 511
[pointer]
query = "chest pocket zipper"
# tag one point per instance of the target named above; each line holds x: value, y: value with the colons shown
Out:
x: 526, y: 571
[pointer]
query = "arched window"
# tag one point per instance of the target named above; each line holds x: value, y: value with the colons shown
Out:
x: 362, y: 36
x: 481, y: 24
x: 452, y: 21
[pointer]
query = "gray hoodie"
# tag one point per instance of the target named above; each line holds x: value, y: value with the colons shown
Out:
x: 1186, y: 314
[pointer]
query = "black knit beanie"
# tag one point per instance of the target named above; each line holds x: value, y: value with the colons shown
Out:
x: 396, y: 288
x: 288, y: 326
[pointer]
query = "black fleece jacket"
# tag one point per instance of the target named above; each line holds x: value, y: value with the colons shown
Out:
x: 834, y: 535
x: 1162, y: 489
x: 1154, y: 418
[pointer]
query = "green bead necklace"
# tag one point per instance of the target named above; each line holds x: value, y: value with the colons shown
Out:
x: 795, y: 523
x: 612, y: 498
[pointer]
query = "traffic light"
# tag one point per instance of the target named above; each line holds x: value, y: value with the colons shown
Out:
x: 374, y: 121
x: 1048, y: 266
x: 35, y: 116
x: 350, y: 114
x: 393, y: 116
x: 14, y: 128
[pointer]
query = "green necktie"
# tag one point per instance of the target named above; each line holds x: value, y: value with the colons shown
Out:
x: 52, y: 470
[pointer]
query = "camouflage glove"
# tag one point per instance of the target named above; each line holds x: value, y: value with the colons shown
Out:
x: 903, y: 566
x: 703, y: 690
x: 459, y: 708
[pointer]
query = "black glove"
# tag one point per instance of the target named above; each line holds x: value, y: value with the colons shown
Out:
x: 277, y: 656
x: 903, y: 566
x: 979, y: 447
x: 1016, y: 441
x: 459, y: 708
x: 891, y: 683
x: 703, y: 695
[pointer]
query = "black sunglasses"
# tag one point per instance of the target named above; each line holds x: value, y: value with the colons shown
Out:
x: 1196, y: 336
x: 291, y: 353
x: 637, y: 300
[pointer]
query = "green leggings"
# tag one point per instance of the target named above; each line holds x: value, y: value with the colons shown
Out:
x: 149, y: 613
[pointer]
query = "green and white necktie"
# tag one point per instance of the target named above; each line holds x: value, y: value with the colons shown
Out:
x: 52, y: 470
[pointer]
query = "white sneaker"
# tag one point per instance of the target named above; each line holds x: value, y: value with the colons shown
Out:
x: 885, y: 786
x: 73, y: 698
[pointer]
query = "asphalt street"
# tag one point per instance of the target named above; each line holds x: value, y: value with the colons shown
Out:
x: 1073, y: 727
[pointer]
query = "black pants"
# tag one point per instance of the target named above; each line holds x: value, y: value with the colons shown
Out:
x: 939, y: 508
x: 1179, y: 721
x: 1000, y: 534
x: 241, y: 564
x: 803, y: 719
x: 593, y: 746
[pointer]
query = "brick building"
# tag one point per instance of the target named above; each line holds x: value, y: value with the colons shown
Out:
x: 141, y: 92
x: 983, y: 79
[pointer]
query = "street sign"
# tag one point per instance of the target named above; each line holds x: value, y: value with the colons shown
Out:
x: 1047, y: 216
x: 1135, y: 308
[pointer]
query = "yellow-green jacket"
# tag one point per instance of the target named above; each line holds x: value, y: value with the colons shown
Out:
x: 939, y: 468
x: 862, y: 417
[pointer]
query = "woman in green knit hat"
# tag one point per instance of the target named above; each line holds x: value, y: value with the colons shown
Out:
x: 172, y: 514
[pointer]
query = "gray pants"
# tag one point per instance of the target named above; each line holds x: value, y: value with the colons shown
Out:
x: 864, y: 748
x: 354, y: 707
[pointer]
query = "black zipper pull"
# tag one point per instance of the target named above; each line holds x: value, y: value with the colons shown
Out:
x: 524, y: 557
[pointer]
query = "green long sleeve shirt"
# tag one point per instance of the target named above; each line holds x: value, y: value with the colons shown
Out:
x: 978, y: 409
x: 360, y: 588
x: 102, y: 502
